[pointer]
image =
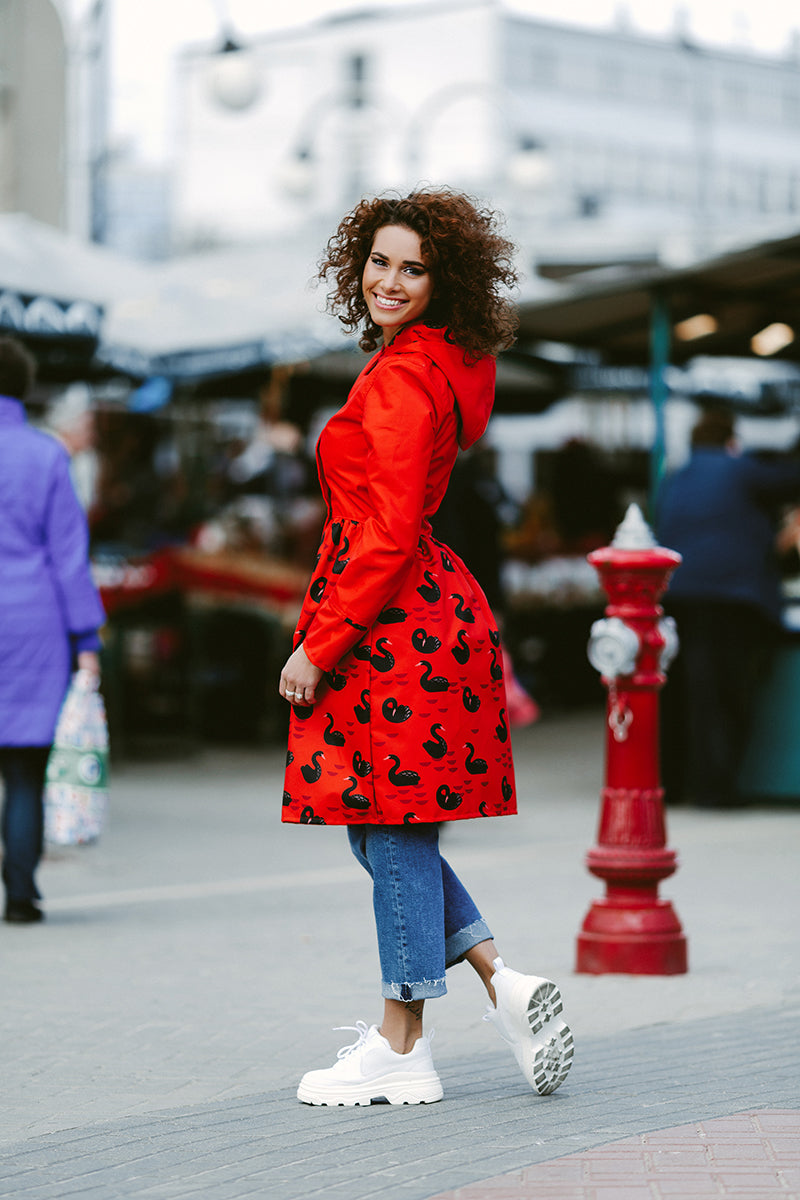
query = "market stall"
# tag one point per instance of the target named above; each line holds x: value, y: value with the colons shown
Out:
x: 723, y: 331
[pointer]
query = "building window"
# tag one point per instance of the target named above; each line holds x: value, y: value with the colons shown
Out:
x: 794, y: 193
x: 674, y: 88
x: 611, y: 76
x: 544, y: 67
x: 791, y: 107
x: 735, y: 99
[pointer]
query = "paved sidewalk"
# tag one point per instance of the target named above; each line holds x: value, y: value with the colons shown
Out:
x: 751, y: 1155
x: 193, y: 963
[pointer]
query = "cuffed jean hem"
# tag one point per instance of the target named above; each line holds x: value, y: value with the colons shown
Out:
x: 458, y: 944
x: 424, y: 989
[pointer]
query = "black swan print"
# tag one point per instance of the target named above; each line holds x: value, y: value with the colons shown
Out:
x: 506, y: 789
x: 394, y: 712
x: 462, y: 612
x: 502, y: 728
x: 447, y: 562
x: 494, y: 637
x: 435, y: 683
x: 461, y: 652
x: 401, y: 778
x: 392, y: 616
x: 312, y: 771
x: 425, y: 644
x: 437, y: 746
x: 471, y: 702
x: 362, y: 652
x: 336, y: 680
x: 430, y: 590
x: 317, y: 588
x: 336, y: 532
x: 496, y: 671
x: 475, y: 766
x: 351, y: 798
x: 331, y: 736
x: 447, y: 799
x: 340, y: 561
x: 307, y: 817
x: 287, y: 799
x: 384, y: 659
x: 302, y: 711
x: 362, y: 710
x: 289, y: 757
x: 361, y: 767
x: 410, y: 818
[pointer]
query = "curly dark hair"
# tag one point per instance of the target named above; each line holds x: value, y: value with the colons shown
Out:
x: 469, y: 259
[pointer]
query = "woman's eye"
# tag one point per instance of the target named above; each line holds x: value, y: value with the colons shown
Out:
x: 414, y: 271
x: 378, y: 262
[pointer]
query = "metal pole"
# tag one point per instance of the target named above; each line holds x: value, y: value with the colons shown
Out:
x: 659, y: 388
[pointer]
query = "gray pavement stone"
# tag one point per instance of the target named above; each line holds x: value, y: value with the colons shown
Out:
x: 193, y: 962
x: 488, y: 1124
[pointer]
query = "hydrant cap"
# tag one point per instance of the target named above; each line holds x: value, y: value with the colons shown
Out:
x: 634, y: 533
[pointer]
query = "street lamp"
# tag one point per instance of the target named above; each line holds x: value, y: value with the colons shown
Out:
x: 296, y: 173
x: 233, y: 78
x: 528, y: 166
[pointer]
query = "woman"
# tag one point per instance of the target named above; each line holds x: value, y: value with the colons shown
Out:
x: 49, y: 616
x: 398, y: 707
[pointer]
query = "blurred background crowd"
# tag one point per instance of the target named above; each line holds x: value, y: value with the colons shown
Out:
x: 649, y: 177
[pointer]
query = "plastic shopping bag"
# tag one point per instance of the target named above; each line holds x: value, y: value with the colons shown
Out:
x: 76, y: 788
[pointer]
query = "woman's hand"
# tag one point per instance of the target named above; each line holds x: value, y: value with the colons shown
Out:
x: 299, y: 678
x: 89, y: 660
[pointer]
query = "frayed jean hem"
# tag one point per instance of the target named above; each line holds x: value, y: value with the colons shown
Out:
x: 423, y: 989
x: 458, y: 944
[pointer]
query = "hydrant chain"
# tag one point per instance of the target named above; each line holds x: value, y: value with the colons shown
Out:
x: 619, y: 715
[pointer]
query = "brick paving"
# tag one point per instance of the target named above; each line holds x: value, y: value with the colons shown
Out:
x: 193, y: 963
x: 746, y: 1155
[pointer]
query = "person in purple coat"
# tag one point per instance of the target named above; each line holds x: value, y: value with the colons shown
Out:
x: 50, y: 613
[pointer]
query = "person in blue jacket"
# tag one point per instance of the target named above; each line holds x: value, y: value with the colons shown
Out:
x: 50, y: 614
x: 720, y: 512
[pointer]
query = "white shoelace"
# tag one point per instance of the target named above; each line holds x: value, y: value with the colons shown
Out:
x: 362, y: 1029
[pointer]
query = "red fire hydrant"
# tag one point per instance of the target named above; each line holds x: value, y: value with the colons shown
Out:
x: 631, y: 931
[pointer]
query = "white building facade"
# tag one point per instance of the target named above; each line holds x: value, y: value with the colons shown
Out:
x: 601, y: 146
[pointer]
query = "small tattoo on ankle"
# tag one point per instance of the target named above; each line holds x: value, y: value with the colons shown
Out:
x: 415, y: 1008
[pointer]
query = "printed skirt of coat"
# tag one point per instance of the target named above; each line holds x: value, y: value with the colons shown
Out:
x: 411, y: 724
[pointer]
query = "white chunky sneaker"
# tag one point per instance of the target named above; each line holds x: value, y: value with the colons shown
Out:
x: 527, y: 1017
x: 371, y: 1070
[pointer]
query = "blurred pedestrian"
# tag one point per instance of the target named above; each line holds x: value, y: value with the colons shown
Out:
x: 720, y: 512
x: 396, y: 683
x: 72, y: 421
x: 50, y: 614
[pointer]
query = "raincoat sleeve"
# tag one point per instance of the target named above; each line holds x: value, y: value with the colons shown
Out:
x: 399, y: 424
x: 67, y: 538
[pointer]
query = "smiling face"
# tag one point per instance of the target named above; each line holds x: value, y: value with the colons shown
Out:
x: 397, y: 285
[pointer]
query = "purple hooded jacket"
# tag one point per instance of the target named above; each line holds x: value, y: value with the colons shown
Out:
x: 49, y: 606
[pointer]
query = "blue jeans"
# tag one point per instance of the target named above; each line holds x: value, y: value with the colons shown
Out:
x: 23, y: 770
x: 426, y: 920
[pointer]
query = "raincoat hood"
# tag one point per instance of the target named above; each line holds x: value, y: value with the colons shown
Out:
x: 472, y: 382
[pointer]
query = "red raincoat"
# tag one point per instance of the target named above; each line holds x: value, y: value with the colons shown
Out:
x: 409, y: 722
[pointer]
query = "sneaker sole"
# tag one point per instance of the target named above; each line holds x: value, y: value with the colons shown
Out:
x: 544, y: 1049
x: 409, y: 1089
